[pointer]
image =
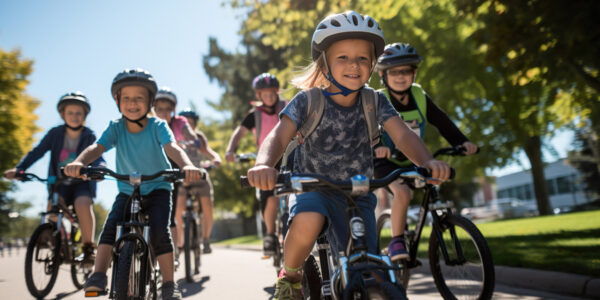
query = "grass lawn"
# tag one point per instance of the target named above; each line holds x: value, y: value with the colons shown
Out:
x: 565, y: 243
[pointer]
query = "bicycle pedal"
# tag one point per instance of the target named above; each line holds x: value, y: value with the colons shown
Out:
x: 96, y: 293
x: 265, y: 257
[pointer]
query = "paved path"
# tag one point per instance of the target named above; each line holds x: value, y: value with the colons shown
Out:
x: 227, y: 274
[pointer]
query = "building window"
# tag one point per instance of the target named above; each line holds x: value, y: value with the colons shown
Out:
x: 528, y: 192
x: 564, y: 184
x: 550, y: 187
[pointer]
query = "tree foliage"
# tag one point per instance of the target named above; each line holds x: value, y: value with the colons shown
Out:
x: 584, y: 159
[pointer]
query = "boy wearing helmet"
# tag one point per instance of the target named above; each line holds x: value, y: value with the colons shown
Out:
x: 65, y: 142
x: 344, y: 49
x: 261, y: 120
x: 397, y: 67
x: 186, y: 137
x: 133, y: 91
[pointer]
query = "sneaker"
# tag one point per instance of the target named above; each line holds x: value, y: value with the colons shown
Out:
x: 170, y: 291
x: 95, y: 283
x: 269, y: 241
x: 206, y: 246
x: 286, y: 289
x: 88, y: 255
x: 397, y: 248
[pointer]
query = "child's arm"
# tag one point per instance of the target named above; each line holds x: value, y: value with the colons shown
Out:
x: 237, y: 135
x: 177, y: 154
x: 263, y: 175
x: 89, y: 155
x: 207, y: 150
x: 412, y: 146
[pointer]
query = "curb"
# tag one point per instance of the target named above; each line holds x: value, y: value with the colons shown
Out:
x: 550, y: 281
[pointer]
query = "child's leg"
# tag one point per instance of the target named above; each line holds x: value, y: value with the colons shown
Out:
x: 299, y: 241
x: 399, y: 207
x: 103, y: 258
x: 179, y: 208
x: 85, y: 216
x: 159, y: 212
x: 270, y: 213
x: 207, y: 217
x: 167, y: 270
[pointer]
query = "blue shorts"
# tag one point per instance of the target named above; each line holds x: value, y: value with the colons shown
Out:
x: 71, y: 192
x: 333, y: 207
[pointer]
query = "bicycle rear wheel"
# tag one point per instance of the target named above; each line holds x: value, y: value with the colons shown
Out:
x: 385, y: 291
x: 466, y: 276
x: 191, y: 247
x: 42, y: 260
x: 311, y: 279
x: 384, y: 235
x: 128, y: 280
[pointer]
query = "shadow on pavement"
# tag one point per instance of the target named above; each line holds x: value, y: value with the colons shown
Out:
x: 270, y: 290
x: 64, y: 295
x: 191, y: 288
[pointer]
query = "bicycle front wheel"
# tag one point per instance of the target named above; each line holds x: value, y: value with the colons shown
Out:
x: 42, y: 260
x: 128, y: 279
x: 468, y: 272
x: 191, y: 246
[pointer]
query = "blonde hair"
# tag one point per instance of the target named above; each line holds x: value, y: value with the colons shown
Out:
x: 312, y: 75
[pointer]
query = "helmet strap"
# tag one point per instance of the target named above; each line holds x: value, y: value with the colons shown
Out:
x: 137, y: 121
x: 73, y: 128
x: 343, y: 90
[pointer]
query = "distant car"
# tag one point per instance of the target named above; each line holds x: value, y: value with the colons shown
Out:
x: 501, y: 209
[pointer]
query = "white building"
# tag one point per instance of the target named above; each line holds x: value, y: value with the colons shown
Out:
x: 563, y: 182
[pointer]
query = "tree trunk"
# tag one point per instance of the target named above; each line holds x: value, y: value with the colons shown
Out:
x: 533, y: 149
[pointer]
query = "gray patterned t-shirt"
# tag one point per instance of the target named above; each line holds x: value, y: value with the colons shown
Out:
x: 339, y: 147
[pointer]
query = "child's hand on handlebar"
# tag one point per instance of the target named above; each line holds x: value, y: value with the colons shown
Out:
x: 10, y: 174
x: 439, y: 170
x: 263, y: 177
x: 192, y: 174
x: 470, y: 148
x: 382, y: 152
x: 73, y: 169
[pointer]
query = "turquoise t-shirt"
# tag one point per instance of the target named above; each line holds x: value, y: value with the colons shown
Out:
x: 140, y: 152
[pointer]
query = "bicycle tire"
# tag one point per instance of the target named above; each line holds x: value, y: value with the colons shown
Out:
x: 126, y: 272
x: 75, y: 271
x: 403, y: 273
x: 479, y: 261
x: 187, y: 246
x: 385, y: 291
x: 43, y: 234
x: 311, y: 279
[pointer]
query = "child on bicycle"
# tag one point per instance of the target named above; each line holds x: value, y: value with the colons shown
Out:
x: 344, y: 49
x: 164, y: 107
x: 397, y: 67
x: 65, y: 142
x: 141, y: 143
x: 261, y: 120
x: 204, y: 188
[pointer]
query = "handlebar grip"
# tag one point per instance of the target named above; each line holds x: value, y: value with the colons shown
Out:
x: 244, y: 182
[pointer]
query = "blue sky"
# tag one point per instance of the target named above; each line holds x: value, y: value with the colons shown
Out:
x: 82, y: 45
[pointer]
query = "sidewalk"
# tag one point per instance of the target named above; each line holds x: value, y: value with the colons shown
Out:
x: 556, y: 282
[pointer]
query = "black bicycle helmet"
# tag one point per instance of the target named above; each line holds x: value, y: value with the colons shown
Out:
x: 188, y: 112
x: 348, y: 25
x: 165, y: 93
x: 265, y: 80
x: 129, y: 77
x: 398, y: 54
x: 73, y: 98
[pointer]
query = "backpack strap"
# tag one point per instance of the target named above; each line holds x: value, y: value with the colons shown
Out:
x: 419, y: 95
x: 370, y: 101
x: 257, y: 124
x: 314, y: 110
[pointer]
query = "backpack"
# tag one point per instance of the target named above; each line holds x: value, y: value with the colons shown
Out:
x: 258, y: 118
x: 316, y: 106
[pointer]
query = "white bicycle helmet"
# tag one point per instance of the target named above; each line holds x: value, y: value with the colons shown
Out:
x: 348, y: 25
x: 166, y: 94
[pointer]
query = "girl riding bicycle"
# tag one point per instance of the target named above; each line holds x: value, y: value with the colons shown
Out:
x: 192, y: 143
x: 141, y: 143
x: 344, y: 49
x: 65, y: 142
x: 397, y: 67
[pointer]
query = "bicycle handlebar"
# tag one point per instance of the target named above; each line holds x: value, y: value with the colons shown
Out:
x: 453, y: 151
x: 23, y: 176
x: 304, y: 182
x: 98, y: 173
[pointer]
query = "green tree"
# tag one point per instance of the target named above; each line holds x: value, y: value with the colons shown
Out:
x: 584, y: 160
x: 16, y: 119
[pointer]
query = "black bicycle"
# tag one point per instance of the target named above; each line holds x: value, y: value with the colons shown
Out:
x: 353, y: 273
x: 459, y: 258
x: 56, y: 241
x: 192, y: 230
x: 135, y: 273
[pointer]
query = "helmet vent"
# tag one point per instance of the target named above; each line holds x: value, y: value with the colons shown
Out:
x: 336, y: 23
x: 323, y: 26
x: 354, y: 20
x: 370, y: 23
